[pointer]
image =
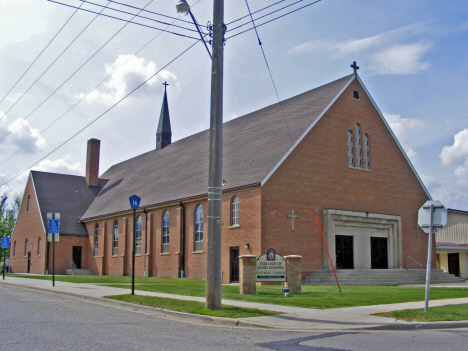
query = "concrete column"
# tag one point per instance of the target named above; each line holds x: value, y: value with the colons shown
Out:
x: 293, y: 272
x: 247, y: 276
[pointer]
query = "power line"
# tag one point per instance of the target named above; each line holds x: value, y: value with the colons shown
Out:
x: 264, y: 8
x: 274, y: 19
x: 9, y: 91
x: 121, y: 19
x: 66, y: 80
x: 47, y: 69
x: 109, y: 109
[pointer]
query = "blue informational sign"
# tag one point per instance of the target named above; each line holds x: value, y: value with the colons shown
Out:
x: 134, y: 201
x: 53, y: 226
x: 5, y: 243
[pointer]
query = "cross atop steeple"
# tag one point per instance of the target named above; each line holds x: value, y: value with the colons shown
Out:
x: 354, y: 67
x: 166, y: 84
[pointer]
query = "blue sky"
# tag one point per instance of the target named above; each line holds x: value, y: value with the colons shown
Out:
x: 412, y: 57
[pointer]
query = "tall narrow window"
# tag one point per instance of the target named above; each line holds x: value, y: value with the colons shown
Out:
x: 39, y: 246
x: 358, y: 146
x: 366, y: 152
x: 198, y: 228
x: 26, y: 248
x: 29, y: 202
x: 235, y: 211
x: 14, y: 249
x: 165, y: 232
x: 138, y: 236
x: 96, y: 239
x: 115, y: 238
x: 350, y: 149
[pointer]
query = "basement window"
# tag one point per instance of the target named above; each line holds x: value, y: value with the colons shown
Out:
x: 356, y: 95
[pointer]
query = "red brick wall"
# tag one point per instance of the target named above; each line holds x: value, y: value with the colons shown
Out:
x: 28, y: 226
x: 389, y: 188
x: 64, y: 253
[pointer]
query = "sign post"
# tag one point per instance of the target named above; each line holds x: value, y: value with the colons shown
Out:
x: 134, y: 204
x: 432, y: 215
x: 54, y: 225
x: 5, y: 246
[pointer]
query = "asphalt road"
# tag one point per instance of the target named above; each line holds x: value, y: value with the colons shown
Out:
x: 40, y: 321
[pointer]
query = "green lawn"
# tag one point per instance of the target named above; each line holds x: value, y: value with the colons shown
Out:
x: 434, y: 314
x: 312, y: 296
x: 192, y: 306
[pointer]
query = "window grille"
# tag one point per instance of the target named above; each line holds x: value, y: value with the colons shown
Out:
x: 115, y: 238
x: 138, y: 236
x: 358, y: 146
x: 96, y: 239
x: 235, y: 211
x: 366, y: 152
x: 165, y: 232
x: 198, y: 228
x: 350, y: 149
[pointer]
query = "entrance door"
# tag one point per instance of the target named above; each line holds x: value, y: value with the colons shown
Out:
x: 234, y: 259
x: 379, y: 253
x: 76, y: 256
x: 344, y: 251
x: 29, y: 262
x: 454, y: 264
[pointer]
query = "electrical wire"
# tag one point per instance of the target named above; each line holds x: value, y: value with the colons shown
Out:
x: 40, y: 54
x: 274, y: 19
x: 121, y: 19
x: 105, y: 112
x: 276, y: 3
x: 66, y: 80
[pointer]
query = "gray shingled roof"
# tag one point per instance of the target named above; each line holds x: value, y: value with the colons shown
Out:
x: 67, y: 194
x: 253, y: 144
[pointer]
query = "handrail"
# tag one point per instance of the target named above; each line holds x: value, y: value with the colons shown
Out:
x: 413, y: 264
x: 71, y: 264
x: 324, y: 269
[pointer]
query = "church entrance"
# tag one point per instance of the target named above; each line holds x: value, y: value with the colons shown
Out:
x: 379, y: 253
x: 344, y: 245
x: 76, y: 256
x: 454, y: 263
x: 234, y: 264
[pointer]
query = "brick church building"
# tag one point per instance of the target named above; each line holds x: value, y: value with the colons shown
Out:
x: 327, y: 153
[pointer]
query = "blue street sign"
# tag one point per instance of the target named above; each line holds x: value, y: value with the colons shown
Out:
x: 5, y: 243
x: 134, y: 201
x: 53, y: 226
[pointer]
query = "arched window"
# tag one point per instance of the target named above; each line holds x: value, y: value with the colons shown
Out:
x: 14, y: 249
x: 115, y: 238
x: 25, y: 247
x: 235, y: 211
x: 350, y: 149
x: 366, y: 152
x: 358, y: 146
x: 165, y: 232
x: 138, y: 236
x: 39, y: 246
x: 96, y: 239
x: 198, y: 228
x: 29, y: 202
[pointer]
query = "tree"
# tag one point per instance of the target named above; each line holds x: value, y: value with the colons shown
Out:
x: 7, y: 219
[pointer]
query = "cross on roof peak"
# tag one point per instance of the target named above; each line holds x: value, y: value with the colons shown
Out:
x: 165, y: 86
x: 355, y: 67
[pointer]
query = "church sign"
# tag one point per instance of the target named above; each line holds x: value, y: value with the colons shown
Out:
x: 271, y: 267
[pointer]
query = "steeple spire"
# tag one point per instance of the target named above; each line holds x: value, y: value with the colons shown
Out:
x: 164, y: 133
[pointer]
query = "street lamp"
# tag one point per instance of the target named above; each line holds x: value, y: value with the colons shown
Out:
x: 215, y: 177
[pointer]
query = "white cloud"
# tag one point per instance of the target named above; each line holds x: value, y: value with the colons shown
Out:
x: 401, y: 59
x: 458, y: 152
x: 129, y: 73
x: 404, y: 128
x: 60, y: 166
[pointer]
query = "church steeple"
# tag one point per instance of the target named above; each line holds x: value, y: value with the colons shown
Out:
x: 164, y: 133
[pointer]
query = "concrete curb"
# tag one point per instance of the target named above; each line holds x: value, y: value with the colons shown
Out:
x: 154, y: 311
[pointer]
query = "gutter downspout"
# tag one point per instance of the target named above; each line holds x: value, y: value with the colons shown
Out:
x: 146, y: 242
x: 182, y: 240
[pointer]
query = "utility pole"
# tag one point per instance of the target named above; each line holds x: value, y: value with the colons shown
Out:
x: 215, y: 177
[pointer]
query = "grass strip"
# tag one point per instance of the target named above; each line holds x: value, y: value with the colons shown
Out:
x: 434, y: 314
x: 313, y: 296
x: 192, y: 306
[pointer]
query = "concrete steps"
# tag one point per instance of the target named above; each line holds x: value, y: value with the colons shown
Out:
x: 79, y: 272
x: 379, y: 277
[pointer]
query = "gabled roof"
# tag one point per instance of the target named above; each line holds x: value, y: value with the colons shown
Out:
x: 254, y: 146
x: 69, y: 195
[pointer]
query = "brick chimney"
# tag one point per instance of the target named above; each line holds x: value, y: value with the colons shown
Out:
x: 92, y: 162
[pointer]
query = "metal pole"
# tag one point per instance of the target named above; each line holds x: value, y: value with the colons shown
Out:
x: 4, y: 259
x: 215, y: 177
x: 53, y: 259
x: 133, y: 252
x: 429, y: 259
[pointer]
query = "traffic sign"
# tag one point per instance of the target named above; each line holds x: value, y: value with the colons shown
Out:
x: 134, y: 201
x: 5, y: 243
x: 53, y: 237
x: 439, y: 215
x: 54, y: 226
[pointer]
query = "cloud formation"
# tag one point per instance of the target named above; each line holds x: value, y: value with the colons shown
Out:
x: 401, y: 59
x: 405, y: 129
x: 127, y: 73
x: 458, y: 152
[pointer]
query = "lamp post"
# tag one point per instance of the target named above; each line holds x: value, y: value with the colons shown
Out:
x: 215, y: 178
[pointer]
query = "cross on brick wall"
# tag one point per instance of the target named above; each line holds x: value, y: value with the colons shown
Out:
x: 292, y: 216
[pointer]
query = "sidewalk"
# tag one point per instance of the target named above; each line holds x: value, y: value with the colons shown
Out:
x: 294, y: 318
